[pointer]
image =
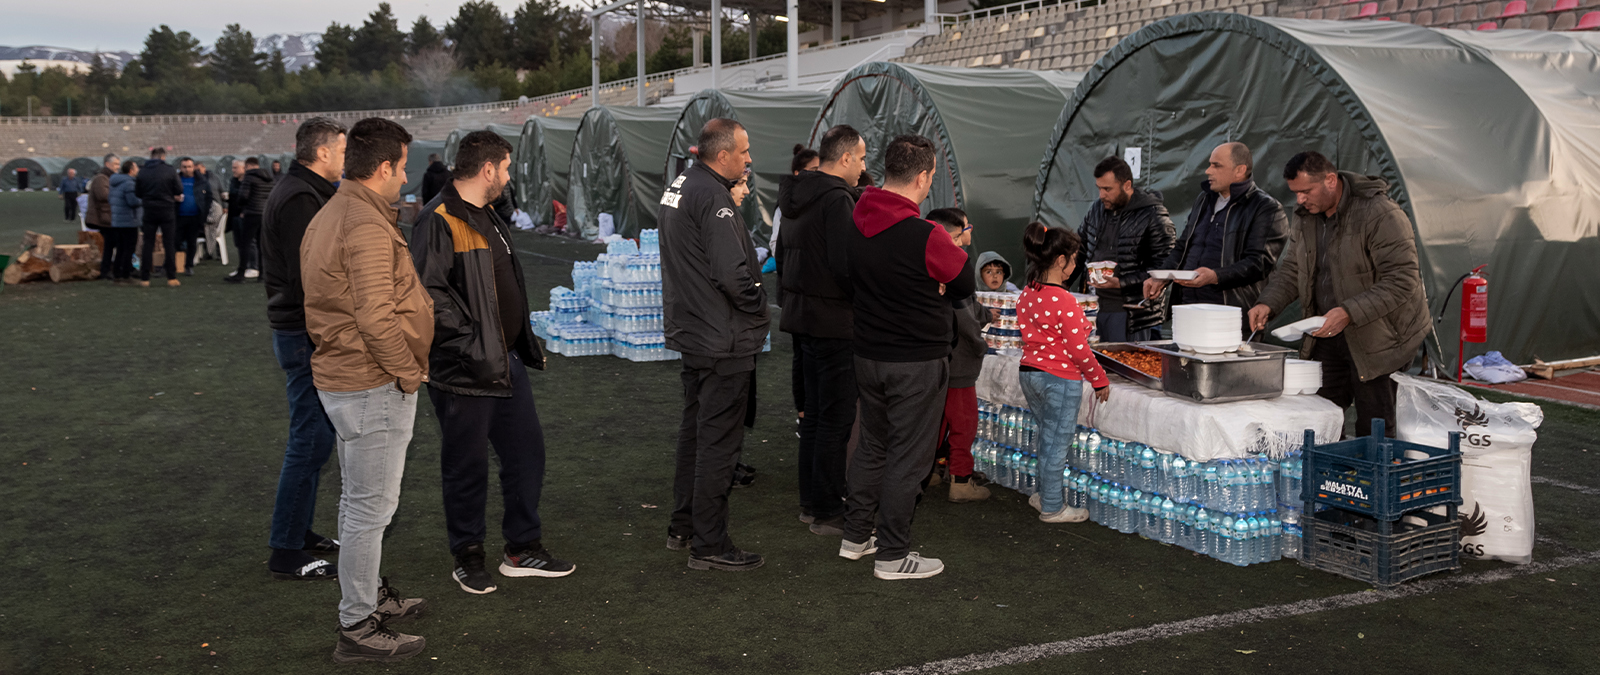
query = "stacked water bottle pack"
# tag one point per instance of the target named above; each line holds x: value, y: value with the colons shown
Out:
x: 1002, y: 334
x: 1227, y: 509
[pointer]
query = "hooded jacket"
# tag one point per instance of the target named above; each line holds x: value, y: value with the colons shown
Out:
x: 813, y: 258
x: 253, y: 192
x: 1253, y: 234
x: 125, y: 203
x: 983, y: 261
x: 158, y: 185
x: 897, y: 261
x: 453, y: 259
x: 713, y: 302
x: 294, y: 201
x: 1372, y: 262
x: 1138, y: 237
x: 434, y: 179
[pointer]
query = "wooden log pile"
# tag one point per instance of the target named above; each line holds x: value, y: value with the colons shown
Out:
x: 42, y: 258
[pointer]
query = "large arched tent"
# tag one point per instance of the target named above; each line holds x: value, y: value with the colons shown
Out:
x: 1487, y: 142
x: 616, y: 167
x: 417, y: 164
x: 451, y: 143
x: 987, y: 124
x: 43, y: 172
x: 775, y: 120
x: 543, y: 163
x: 86, y: 167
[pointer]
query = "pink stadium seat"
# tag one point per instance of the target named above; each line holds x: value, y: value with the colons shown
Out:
x: 1487, y: 26
x: 1514, y: 8
x: 1369, y: 9
x: 1565, y: 5
x: 1589, y: 21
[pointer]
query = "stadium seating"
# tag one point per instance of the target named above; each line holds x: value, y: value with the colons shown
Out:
x: 1458, y: 14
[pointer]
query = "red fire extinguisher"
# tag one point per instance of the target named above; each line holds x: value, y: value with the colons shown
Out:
x: 1474, y: 313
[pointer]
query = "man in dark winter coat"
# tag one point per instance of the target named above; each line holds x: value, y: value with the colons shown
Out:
x: 1233, y: 237
x: 716, y: 316
x: 478, y: 368
x: 434, y: 178
x: 812, y: 270
x: 192, y: 212
x: 295, y: 200
x: 158, y: 186
x: 252, y: 204
x: 1128, y: 226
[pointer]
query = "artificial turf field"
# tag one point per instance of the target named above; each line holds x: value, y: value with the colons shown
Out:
x: 142, y: 431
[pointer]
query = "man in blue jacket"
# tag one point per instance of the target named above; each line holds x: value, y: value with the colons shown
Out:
x: 70, y: 187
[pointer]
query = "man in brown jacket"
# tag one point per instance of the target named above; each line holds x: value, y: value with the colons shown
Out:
x: 98, y: 217
x: 1352, y: 258
x: 372, y: 323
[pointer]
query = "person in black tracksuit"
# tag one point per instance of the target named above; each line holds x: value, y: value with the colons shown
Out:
x: 158, y: 186
x: 812, y: 264
x: 477, y: 369
x: 1131, y: 227
x: 434, y: 178
x: 716, y: 317
x: 254, y: 189
x: 905, y: 273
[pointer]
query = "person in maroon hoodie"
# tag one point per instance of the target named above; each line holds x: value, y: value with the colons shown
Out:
x: 904, y: 274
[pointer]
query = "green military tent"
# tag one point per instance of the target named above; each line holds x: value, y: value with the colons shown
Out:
x: 1489, y: 142
x: 43, y: 172
x: 616, y: 168
x: 417, y: 163
x: 543, y: 163
x: 86, y: 167
x: 451, y: 143
x: 776, y: 122
x: 988, y: 125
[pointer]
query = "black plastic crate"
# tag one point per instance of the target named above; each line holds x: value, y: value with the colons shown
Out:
x: 1374, y: 477
x: 1380, y: 552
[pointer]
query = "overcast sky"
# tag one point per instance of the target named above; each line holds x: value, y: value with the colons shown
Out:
x: 122, y: 25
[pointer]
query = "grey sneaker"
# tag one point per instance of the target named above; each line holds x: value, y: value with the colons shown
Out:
x: 370, y: 640
x: 1067, y: 514
x: 830, y: 527
x: 913, y: 566
x: 853, y: 551
x: 392, y: 607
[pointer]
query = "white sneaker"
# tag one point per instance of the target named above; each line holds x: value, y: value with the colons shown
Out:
x: 913, y: 566
x: 251, y: 274
x: 1067, y: 514
x: 855, y: 551
x: 1035, y: 503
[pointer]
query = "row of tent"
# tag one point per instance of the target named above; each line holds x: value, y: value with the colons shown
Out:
x: 45, y: 173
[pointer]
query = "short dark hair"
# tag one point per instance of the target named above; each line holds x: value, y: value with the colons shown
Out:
x: 802, y: 156
x: 433, y: 157
x: 906, y: 157
x: 127, y: 165
x: 716, y: 136
x: 252, y: 161
x: 1044, y: 245
x: 865, y: 179
x: 317, y: 132
x: 477, y: 148
x: 1116, y: 167
x: 1240, y: 154
x: 952, y: 218
x: 158, y: 152
x: 1311, y: 163
x: 837, y: 141
x: 370, y: 143
x: 186, y: 159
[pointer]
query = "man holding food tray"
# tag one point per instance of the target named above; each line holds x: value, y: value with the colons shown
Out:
x: 1126, y: 234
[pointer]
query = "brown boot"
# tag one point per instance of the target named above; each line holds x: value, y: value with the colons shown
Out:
x: 173, y: 282
x: 967, y: 491
x: 181, y: 259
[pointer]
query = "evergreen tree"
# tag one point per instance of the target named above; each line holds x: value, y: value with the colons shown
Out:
x: 169, y: 56
x: 481, y: 34
x: 333, y: 53
x: 423, y: 37
x: 234, y: 59
x: 539, y: 27
x: 378, y: 42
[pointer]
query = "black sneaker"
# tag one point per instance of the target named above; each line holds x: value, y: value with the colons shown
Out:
x: 743, y: 475
x: 536, y: 562
x: 234, y: 278
x: 370, y: 640
x: 732, y: 561
x: 676, y: 543
x: 828, y: 527
x: 393, y: 608
x: 316, y: 543
x: 470, y: 573
x: 311, y: 571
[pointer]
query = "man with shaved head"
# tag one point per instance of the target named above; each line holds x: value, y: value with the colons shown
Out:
x: 1232, y: 239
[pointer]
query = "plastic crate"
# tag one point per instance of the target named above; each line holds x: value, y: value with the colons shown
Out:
x: 1374, y: 477
x: 1382, y: 553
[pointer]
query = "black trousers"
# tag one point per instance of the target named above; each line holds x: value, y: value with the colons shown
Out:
x: 1113, y: 327
x: 901, y: 405
x: 468, y: 425
x: 246, y: 238
x: 168, y: 228
x: 715, y: 396
x: 116, y: 261
x: 829, y: 371
x: 1374, y: 399
x: 191, y: 230
x: 797, y: 376
x: 71, y: 199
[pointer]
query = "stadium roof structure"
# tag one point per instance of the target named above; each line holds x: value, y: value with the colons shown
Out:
x: 1487, y: 141
x: 776, y: 122
x: 819, y: 12
x: 544, y: 164
x: 987, y: 124
x: 616, y: 160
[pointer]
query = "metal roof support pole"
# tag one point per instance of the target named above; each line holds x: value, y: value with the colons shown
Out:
x: 594, y: 60
x: 793, y: 74
x: 838, y: 12
x: 638, y: 50
x: 751, y: 15
x: 930, y: 16
x: 699, y: 46
x: 716, y: 43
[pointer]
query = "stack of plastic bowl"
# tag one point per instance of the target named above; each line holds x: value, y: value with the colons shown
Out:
x: 1301, y: 377
x: 1207, y: 329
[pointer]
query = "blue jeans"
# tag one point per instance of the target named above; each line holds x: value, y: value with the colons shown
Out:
x: 1054, y: 401
x: 374, y: 429
x: 311, y: 441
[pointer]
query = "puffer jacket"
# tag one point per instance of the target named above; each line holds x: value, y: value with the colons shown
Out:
x: 456, y: 266
x: 126, y: 207
x: 1138, y: 236
x: 253, y: 192
x: 158, y: 185
x: 813, y: 258
x: 713, y: 302
x: 1254, y: 231
x: 1372, y: 257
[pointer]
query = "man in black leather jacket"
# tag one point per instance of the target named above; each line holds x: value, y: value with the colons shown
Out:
x: 1232, y: 239
x: 1128, y: 226
x: 477, y: 369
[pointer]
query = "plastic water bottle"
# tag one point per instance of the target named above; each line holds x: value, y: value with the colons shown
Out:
x: 1032, y: 485
x: 1169, y: 521
x: 1205, y: 537
x: 1092, y: 452
x: 1292, y: 534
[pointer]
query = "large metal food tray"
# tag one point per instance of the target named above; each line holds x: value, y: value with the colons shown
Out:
x: 1220, y: 378
x: 1104, y: 349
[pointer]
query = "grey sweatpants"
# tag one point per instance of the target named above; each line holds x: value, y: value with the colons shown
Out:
x: 901, y: 405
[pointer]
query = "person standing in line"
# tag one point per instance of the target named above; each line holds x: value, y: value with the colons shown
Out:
x: 804, y: 159
x: 318, y: 162
x: 70, y: 187
x: 192, y: 212
x: 252, y: 204
x: 161, y: 191
x: 98, y: 216
x: 372, y: 323
x: 126, y: 216
x: 482, y: 350
x: 715, y: 316
x: 211, y: 243
x: 1130, y: 227
x: 434, y: 178
x: 1232, y: 240
x: 277, y: 170
x: 904, y: 274
x: 1352, y: 259
x: 959, y: 426
x: 813, y: 267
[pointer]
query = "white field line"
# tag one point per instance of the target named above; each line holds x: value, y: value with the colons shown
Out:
x: 1570, y: 486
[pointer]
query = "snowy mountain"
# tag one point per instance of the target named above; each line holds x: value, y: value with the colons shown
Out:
x: 38, y: 54
x: 299, y: 51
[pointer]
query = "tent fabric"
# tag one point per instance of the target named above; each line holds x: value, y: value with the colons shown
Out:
x: 513, y: 135
x: 1487, y: 142
x: 86, y: 166
x: 982, y: 120
x: 451, y: 143
x: 776, y: 122
x: 616, y: 167
x: 417, y: 163
x: 44, y: 172
x: 545, y: 158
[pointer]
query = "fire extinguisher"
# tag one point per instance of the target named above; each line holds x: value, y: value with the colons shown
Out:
x: 1474, y: 313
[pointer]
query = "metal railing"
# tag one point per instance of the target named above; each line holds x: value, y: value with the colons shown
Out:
x: 948, y: 20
